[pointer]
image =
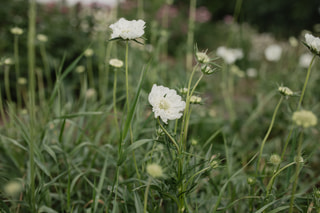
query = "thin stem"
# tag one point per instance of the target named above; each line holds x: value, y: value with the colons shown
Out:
x: 146, y: 196
x: 7, y: 82
x: 90, y: 72
x: 167, y: 133
x: 127, y: 77
x: 190, y: 38
x: 268, y: 132
x: 17, y: 67
x: 45, y: 64
x: 115, y: 103
x: 306, y: 82
x: 294, y: 186
x: 31, y: 67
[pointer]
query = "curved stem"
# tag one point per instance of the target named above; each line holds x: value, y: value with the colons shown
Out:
x: 268, y: 133
x: 146, y: 196
x: 167, y: 133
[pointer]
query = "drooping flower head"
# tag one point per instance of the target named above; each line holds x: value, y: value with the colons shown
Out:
x: 166, y: 103
x: 304, y: 118
x: 313, y: 43
x: 285, y: 91
x: 127, y: 30
x: 273, y: 52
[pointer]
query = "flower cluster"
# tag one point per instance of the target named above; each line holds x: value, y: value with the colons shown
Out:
x: 229, y: 55
x: 313, y: 43
x: 304, y: 118
x: 166, y: 103
x: 16, y: 31
x: 127, y: 30
x: 285, y: 91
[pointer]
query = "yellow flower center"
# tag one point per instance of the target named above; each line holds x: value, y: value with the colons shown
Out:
x: 163, y: 104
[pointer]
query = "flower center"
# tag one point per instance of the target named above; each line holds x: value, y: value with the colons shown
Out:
x: 164, y: 104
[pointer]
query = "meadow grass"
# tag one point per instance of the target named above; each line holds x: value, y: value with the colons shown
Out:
x: 86, y: 139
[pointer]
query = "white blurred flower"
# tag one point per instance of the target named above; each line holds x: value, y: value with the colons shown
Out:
x: 305, y: 60
x: 116, y: 62
x: 88, y: 52
x: 22, y: 81
x: 166, y: 103
x: 42, y: 38
x: 293, y: 41
x: 91, y: 93
x: 16, y: 31
x: 127, y: 29
x: 8, y: 61
x: 195, y: 99
x: 313, y: 43
x: 13, y: 188
x: 80, y: 69
x: 252, y: 72
x: 304, y: 118
x: 154, y: 170
x: 273, y: 52
x: 229, y: 55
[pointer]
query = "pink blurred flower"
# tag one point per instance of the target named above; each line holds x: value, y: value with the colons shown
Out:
x: 228, y: 19
x: 203, y: 15
x: 167, y: 10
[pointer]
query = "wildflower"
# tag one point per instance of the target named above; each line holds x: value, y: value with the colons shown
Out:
x: 202, y: 57
x: 166, y: 103
x: 88, y: 52
x: 116, y: 63
x: 285, y: 91
x: 80, y: 69
x: 22, y: 81
x: 42, y: 38
x: 206, y: 69
x: 194, y: 142
x: 305, y: 60
x: 154, y: 170
x: 293, y: 41
x: 91, y: 93
x: 183, y: 91
x: 236, y: 70
x: 273, y: 52
x: 127, y: 30
x: 304, y: 118
x: 251, y: 72
x: 195, y: 99
x: 13, y: 188
x: 16, y: 31
x: 8, y: 61
x: 251, y: 180
x: 229, y: 55
x: 275, y: 159
x: 300, y: 159
x: 313, y: 43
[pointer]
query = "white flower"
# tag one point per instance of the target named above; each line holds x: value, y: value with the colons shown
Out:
x: 88, y: 52
x: 13, y: 188
x: 202, y: 57
x: 273, y: 52
x: 127, y: 29
x: 42, y: 38
x: 251, y: 72
x: 166, y: 103
x: 195, y: 99
x: 313, y: 43
x: 304, y: 118
x: 16, y: 31
x: 305, y: 60
x: 116, y: 63
x: 154, y: 170
x: 229, y: 55
x: 285, y: 91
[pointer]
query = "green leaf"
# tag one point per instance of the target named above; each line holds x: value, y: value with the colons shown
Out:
x: 137, y: 144
x: 3, y: 207
x: 137, y: 202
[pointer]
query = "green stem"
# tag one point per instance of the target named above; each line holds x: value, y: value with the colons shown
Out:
x: 306, y: 82
x: 2, y: 113
x: 7, y: 82
x: 31, y: 67
x: 268, y: 132
x: 190, y: 38
x: 294, y: 186
x: 17, y: 67
x: 45, y: 64
x: 127, y: 77
x: 146, y: 196
x: 167, y: 133
x: 274, y: 176
x: 115, y: 103
x: 90, y: 72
